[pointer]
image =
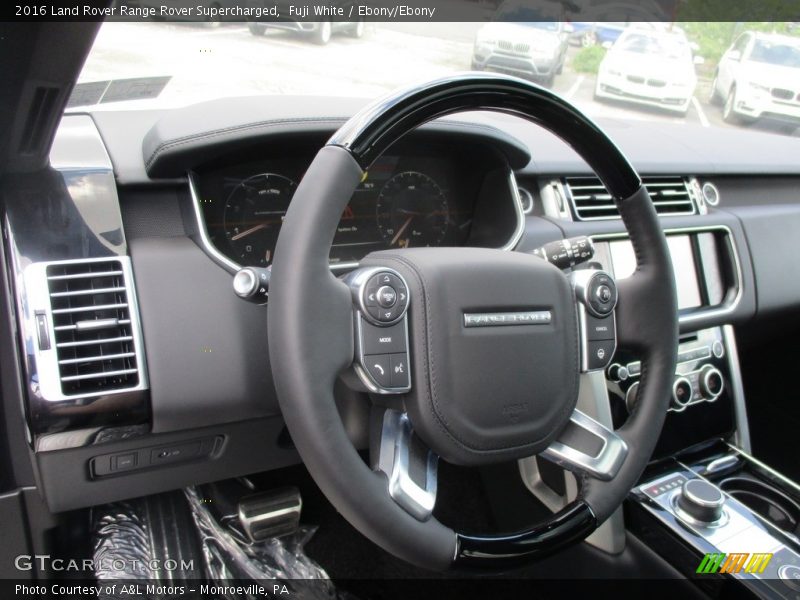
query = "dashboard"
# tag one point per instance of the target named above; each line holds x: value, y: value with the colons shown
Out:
x: 155, y: 199
x: 434, y: 195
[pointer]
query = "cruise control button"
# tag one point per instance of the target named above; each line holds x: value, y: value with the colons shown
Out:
x: 383, y: 340
x: 399, y: 370
x: 600, y: 354
x: 378, y: 366
x: 599, y: 328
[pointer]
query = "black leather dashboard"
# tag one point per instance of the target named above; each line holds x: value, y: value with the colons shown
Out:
x: 207, y: 352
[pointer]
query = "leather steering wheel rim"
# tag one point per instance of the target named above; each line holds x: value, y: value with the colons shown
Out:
x: 311, y: 322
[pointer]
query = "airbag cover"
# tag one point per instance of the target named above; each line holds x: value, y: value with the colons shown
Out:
x: 489, y: 393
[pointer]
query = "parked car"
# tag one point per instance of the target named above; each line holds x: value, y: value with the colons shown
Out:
x: 647, y: 66
x: 520, y: 42
x: 759, y: 76
x: 602, y: 22
x: 320, y: 32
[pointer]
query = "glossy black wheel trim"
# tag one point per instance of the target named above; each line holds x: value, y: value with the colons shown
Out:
x: 375, y: 128
x: 571, y: 524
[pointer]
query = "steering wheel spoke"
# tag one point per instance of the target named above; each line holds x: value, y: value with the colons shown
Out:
x: 409, y: 465
x: 586, y: 446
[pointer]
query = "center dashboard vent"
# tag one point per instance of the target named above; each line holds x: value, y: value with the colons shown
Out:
x: 94, y: 327
x: 591, y: 201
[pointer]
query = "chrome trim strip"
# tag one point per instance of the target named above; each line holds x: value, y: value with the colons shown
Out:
x: 394, y: 460
x: 720, y: 311
x: 217, y: 256
x: 742, y: 435
x: 505, y: 319
x: 604, y: 465
x: 232, y: 266
x: 785, y: 480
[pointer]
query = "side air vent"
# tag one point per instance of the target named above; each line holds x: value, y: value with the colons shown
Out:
x: 590, y: 200
x: 88, y: 338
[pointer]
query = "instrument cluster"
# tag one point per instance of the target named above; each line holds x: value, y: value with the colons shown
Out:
x: 402, y: 202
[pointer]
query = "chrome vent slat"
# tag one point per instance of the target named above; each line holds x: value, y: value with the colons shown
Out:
x: 73, y: 327
x: 591, y: 201
x: 88, y: 292
x: 99, y: 375
x: 95, y: 347
x: 72, y: 361
x: 126, y: 338
x: 64, y: 311
x: 85, y: 275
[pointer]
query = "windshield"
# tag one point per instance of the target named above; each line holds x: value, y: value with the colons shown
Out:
x: 641, y: 43
x: 782, y: 55
x: 169, y: 64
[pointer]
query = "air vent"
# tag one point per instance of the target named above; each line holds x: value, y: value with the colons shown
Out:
x: 92, y: 327
x: 590, y: 199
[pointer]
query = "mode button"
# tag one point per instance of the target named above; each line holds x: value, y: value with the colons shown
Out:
x: 383, y: 340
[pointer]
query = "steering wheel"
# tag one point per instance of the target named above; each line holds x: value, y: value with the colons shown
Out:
x: 471, y: 355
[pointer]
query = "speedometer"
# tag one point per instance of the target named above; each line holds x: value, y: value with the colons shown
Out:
x: 412, y: 211
x: 253, y: 216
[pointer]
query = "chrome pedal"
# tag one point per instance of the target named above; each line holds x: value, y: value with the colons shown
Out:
x: 270, y: 514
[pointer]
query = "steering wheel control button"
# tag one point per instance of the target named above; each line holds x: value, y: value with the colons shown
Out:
x: 371, y: 295
x: 701, y: 500
x: 387, y: 296
x: 599, y: 354
x: 383, y: 340
x: 601, y: 294
x: 600, y: 329
x: 398, y: 364
x: 379, y: 368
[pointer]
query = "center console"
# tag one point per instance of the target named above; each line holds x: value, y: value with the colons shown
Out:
x: 704, y: 504
x: 719, y: 515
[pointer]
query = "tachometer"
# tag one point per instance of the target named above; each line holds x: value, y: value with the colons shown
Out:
x: 254, y: 214
x: 412, y: 211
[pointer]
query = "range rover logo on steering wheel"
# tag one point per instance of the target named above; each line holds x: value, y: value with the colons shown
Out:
x: 533, y: 317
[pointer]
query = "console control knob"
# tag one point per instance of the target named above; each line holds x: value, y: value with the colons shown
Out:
x: 630, y: 397
x: 711, y: 383
x: 681, y: 392
x: 701, y: 500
